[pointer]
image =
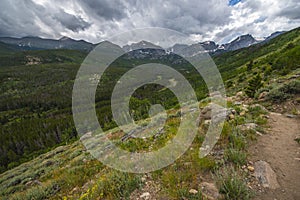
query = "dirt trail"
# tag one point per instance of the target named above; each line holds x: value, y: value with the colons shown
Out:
x: 279, y: 149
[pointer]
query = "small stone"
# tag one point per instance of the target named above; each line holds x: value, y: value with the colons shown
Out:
x: 239, y: 94
x: 75, y: 189
x: 250, y: 168
x: 238, y: 103
x: 145, y: 195
x: 263, y: 95
x: 207, y: 122
x: 210, y: 190
x: 291, y: 116
x: 231, y: 116
x: 143, y: 179
x: 258, y: 133
x: 243, y: 113
x: 193, y: 191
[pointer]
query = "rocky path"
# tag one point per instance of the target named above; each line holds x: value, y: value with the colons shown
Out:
x: 279, y: 149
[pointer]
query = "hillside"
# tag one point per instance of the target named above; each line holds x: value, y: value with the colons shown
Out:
x: 36, y: 126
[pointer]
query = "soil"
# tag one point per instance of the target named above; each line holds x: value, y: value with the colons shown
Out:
x: 282, y: 152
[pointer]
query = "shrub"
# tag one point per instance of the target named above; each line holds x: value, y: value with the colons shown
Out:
x: 235, y: 156
x: 284, y: 92
x: 231, y: 184
x: 237, y: 141
x: 116, y: 185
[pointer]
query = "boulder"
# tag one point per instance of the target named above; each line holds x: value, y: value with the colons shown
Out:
x: 265, y: 175
x: 219, y: 112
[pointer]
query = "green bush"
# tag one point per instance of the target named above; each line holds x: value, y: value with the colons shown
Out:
x: 232, y: 185
x: 116, y: 185
x: 237, y: 141
x: 235, y: 156
x: 284, y: 92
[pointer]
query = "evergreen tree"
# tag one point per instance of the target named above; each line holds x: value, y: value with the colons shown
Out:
x: 250, y: 65
x: 253, y: 85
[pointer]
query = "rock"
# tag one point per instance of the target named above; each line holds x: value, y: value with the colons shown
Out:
x: 219, y: 112
x: 258, y: 133
x: 48, y: 163
x: 291, y: 116
x: 210, y: 190
x: 260, y: 106
x: 34, y: 182
x: 245, y: 108
x: 238, y: 103
x: 207, y: 122
x: 240, y: 94
x: 145, y: 195
x: 216, y: 94
x: 250, y: 168
x: 193, y: 191
x: 75, y: 189
x: 243, y: 113
x: 248, y: 126
x: 265, y: 175
x: 231, y: 116
x: 29, y: 183
x: 262, y: 95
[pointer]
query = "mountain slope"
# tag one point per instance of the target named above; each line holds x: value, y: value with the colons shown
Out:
x: 35, y: 43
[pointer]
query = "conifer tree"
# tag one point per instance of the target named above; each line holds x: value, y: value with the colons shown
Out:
x: 253, y: 85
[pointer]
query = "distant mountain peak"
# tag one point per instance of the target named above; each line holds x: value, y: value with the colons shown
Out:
x: 273, y: 35
x: 141, y: 45
x: 65, y: 38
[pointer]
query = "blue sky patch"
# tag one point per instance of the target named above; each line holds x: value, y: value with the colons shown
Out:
x: 233, y: 2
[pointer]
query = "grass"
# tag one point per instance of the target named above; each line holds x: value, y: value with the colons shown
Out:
x: 183, y: 193
x: 114, y: 185
x: 235, y: 156
x: 232, y: 185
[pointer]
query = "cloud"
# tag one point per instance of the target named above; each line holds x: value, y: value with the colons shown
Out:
x: 71, y: 22
x: 95, y: 20
x: 107, y: 9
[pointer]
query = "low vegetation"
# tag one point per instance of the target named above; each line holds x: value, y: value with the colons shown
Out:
x: 36, y: 126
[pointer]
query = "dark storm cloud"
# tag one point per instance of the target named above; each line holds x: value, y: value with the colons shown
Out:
x: 16, y: 18
x: 70, y: 21
x: 107, y: 9
x: 94, y: 20
x: 292, y: 12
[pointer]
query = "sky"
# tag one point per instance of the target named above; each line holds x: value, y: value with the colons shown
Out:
x: 97, y: 20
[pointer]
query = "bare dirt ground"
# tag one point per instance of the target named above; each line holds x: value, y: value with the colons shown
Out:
x: 282, y: 152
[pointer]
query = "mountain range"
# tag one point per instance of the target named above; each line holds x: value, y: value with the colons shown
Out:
x: 36, y: 43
